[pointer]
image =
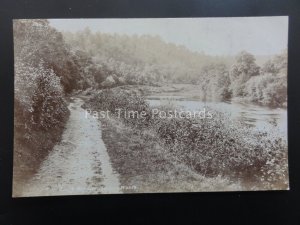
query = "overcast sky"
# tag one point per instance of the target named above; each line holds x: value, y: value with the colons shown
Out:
x: 215, y: 36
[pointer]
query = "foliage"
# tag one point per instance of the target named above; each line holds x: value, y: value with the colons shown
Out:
x: 36, y: 40
x: 244, y: 68
x: 49, y: 66
x: 211, y: 147
x: 150, y: 60
x: 267, y: 90
x: 141, y: 59
x: 276, y: 65
x: 45, y: 71
x: 39, y: 98
x: 270, y: 87
x: 215, y: 83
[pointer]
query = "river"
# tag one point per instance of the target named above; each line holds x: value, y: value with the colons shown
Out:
x: 259, y: 117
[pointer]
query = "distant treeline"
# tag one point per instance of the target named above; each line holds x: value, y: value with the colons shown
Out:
x: 142, y: 59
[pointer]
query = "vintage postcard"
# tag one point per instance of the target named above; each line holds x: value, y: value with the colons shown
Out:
x: 111, y: 106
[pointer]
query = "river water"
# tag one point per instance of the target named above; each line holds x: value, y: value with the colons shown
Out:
x: 259, y: 117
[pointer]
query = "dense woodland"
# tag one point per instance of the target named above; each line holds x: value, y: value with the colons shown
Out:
x: 150, y: 60
x: 50, y: 66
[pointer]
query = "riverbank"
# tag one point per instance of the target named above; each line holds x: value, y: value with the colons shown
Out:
x: 221, y: 148
x: 190, y: 92
x: 145, y: 166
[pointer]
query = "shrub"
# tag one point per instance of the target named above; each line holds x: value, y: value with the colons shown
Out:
x: 40, y: 116
x: 39, y: 95
x: 212, y: 147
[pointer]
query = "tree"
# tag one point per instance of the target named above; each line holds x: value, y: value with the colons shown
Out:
x: 36, y: 40
x: 276, y: 65
x: 215, y: 82
x: 242, y: 70
x: 270, y: 87
x: 267, y: 89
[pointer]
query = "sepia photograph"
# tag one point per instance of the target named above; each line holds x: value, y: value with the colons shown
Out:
x: 150, y: 105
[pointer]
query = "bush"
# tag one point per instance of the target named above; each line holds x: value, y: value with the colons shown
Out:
x: 40, y: 116
x: 120, y: 98
x: 267, y: 89
x: 212, y: 147
x: 39, y: 95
